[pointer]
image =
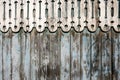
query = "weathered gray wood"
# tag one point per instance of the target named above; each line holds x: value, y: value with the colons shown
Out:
x: 95, y: 55
x: 106, y: 56
x: 26, y: 55
x: 45, y: 56
x: 6, y: 52
x: 116, y: 55
x: 22, y: 40
x: 15, y: 56
x: 86, y: 56
x: 59, y: 55
x: 1, y: 73
x: 40, y: 43
x: 34, y: 55
x: 65, y: 56
x: 54, y: 64
x: 75, y: 55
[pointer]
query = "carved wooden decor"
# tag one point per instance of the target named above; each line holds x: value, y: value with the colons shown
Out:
x: 66, y: 14
x: 59, y: 40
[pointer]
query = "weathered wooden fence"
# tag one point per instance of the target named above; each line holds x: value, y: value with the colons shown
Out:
x: 59, y: 40
x: 60, y: 55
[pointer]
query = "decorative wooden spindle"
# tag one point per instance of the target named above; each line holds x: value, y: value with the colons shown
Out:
x: 41, y: 17
x: 59, y: 13
x: 66, y: 15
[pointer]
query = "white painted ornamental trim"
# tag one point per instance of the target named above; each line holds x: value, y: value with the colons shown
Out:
x: 64, y: 14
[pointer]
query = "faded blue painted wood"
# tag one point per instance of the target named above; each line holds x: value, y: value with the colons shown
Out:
x: 26, y: 55
x: 85, y: 61
x: 22, y: 55
x: 106, y: 56
x: 75, y: 55
x: 116, y: 55
x: 36, y: 55
x: 95, y: 55
x: 59, y: 55
x: 16, y: 56
x: 7, y: 55
x: 65, y: 56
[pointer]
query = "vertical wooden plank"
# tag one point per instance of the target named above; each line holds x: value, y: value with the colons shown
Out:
x: 106, y: 55
x: 1, y: 41
x: 22, y: 54
x: 65, y: 56
x: 75, y: 55
x: 54, y: 65
x: 6, y: 55
x: 15, y: 56
x: 1, y: 45
x: 34, y: 55
x: 85, y: 55
x: 41, y: 52
x: 32, y: 63
x: 27, y: 56
x: 95, y: 55
x: 45, y: 56
x: 58, y: 55
x: 116, y: 55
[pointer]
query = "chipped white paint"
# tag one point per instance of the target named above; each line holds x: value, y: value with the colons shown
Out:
x: 59, y: 13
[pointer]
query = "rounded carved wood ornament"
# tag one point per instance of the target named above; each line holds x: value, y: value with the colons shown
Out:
x: 64, y: 14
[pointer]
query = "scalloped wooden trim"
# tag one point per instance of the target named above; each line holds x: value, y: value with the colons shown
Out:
x: 65, y: 14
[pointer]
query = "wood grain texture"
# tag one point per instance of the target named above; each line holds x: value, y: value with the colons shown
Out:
x: 54, y: 65
x: 34, y: 55
x: 6, y: 52
x: 86, y: 56
x: 59, y: 55
x: 95, y: 55
x: 15, y: 56
x: 1, y: 57
x: 27, y: 56
x: 75, y: 55
x: 54, y: 42
x: 106, y: 56
x: 45, y: 56
x: 116, y: 55
x: 65, y: 56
